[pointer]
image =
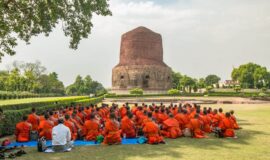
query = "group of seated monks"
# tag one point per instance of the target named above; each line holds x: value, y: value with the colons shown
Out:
x: 113, y: 122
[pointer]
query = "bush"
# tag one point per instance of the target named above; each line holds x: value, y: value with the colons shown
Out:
x: 173, y: 92
x: 237, y: 88
x: 209, y: 89
x: 136, y: 91
x: 12, y: 117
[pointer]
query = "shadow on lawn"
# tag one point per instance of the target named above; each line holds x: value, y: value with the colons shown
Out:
x: 173, y: 148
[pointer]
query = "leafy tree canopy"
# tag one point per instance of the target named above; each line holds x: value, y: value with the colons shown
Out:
x: 23, y: 19
x: 212, y: 79
x: 251, y: 75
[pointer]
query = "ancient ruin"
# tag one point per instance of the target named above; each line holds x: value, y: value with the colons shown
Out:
x: 141, y: 63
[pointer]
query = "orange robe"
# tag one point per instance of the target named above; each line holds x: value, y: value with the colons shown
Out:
x: 162, y: 117
x: 235, y: 124
x: 195, y: 126
x: 227, y: 127
x: 206, y: 123
x: 91, y: 130
x: 171, y: 128
x: 182, y: 119
x: 128, y: 127
x: 45, y: 129
x: 72, y: 129
x: 112, y: 133
x: 33, y: 119
x: 151, y: 132
x: 215, y: 120
x: 22, y: 132
x: 123, y: 112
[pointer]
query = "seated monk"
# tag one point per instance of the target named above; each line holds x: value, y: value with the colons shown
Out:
x: 227, y: 126
x: 123, y: 111
x: 235, y: 124
x: 45, y: 128
x: 162, y: 116
x: 195, y: 127
x: 52, y: 118
x: 91, y: 128
x: 182, y: 118
x: 170, y: 128
x: 112, y: 133
x: 221, y: 114
x: 151, y: 131
x: 33, y: 118
x: 215, y: 119
x: 22, y: 131
x: 206, y: 122
x: 71, y: 127
x: 128, y: 126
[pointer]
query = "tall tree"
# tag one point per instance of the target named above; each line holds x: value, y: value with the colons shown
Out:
x: 176, y: 76
x: 251, y: 75
x: 212, y: 79
x: 187, y: 82
x: 23, y: 19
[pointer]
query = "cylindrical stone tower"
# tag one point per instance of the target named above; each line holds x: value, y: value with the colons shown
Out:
x: 141, y: 63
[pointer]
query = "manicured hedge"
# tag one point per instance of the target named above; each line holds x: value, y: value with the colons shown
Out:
x: 12, y: 117
x: 214, y: 94
x: 42, y: 103
x: 152, y: 95
x: 19, y: 95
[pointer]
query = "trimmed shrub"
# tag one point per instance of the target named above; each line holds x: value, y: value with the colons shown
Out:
x: 12, y: 117
x: 173, y: 92
x: 136, y: 91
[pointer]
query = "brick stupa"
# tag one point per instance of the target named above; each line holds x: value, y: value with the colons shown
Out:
x: 141, y: 63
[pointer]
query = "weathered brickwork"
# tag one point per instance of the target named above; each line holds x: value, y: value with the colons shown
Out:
x: 141, y: 62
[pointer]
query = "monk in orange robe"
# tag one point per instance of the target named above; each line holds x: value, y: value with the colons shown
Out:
x: 227, y: 126
x: 182, y: 118
x: 128, y: 126
x: 151, y: 131
x: 22, y: 131
x: 91, y: 128
x: 206, y: 122
x: 123, y: 111
x: 134, y: 109
x: 170, y: 128
x: 53, y: 119
x: 112, y: 132
x: 215, y: 119
x: 235, y: 124
x: 221, y: 114
x: 45, y: 128
x: 195, y: 127
x: 71, y: 127
x: 162, y: 116
x: 33, y: 119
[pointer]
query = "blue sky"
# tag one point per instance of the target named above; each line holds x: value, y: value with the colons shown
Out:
x: 200, y: 37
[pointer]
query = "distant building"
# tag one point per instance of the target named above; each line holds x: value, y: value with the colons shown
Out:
x: 228, y: 84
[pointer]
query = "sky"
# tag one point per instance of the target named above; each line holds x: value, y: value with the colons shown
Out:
x: 200, y: 37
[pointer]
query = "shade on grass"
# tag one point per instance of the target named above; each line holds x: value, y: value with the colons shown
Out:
x: 253, y: 143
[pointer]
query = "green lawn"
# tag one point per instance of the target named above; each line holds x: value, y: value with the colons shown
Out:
x: 31, y: 100
x: 253, y: 143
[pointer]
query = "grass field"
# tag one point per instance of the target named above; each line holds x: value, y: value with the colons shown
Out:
x: 31, y: 100
x: 253, y: 143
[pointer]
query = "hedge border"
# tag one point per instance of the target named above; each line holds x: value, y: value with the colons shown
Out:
x: 36, y: 104
x: 12, y: 117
